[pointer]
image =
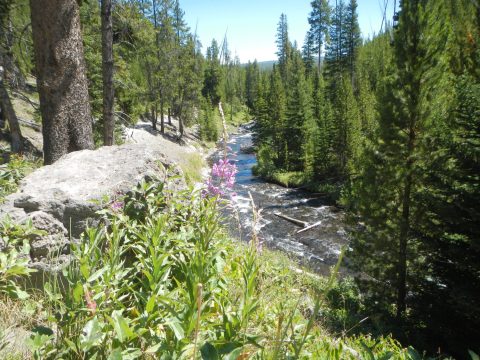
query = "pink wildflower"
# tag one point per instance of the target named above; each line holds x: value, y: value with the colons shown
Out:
x: 91, y: 304
x: 116, y: 205
x: 222, y: 179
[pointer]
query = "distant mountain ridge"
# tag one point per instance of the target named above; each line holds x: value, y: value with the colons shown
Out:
x: 264, y: 65
x: 268, y: 65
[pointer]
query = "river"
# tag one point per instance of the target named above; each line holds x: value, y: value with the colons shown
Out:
x: 317, y: 248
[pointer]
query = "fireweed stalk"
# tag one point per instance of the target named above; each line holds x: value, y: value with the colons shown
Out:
x: 222, y: 180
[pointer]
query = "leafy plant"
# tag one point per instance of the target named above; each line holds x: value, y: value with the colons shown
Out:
x: 12, y: 172
x: 15, y: 256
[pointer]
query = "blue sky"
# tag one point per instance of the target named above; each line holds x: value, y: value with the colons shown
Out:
x: 251, y: 24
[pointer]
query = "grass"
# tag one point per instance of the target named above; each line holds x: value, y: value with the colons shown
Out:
x: 298, y: 179
x: 241, y: 116
x: 192, y: 167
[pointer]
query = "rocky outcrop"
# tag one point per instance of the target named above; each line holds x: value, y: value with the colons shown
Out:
x: 64, y: 197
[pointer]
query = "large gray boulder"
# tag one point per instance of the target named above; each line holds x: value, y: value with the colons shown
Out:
x: 63, y: 197
x: 75, y: 187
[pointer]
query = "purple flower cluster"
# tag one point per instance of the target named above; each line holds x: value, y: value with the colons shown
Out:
x: 222, y: 179
x: 117, y: 205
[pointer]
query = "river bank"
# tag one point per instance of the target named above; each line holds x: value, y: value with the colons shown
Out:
x: 317, y: 248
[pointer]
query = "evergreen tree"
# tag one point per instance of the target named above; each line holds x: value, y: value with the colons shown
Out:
x: 208, y: 122
x: 347, y: 142
x: 283, y: 46
x: 262, y: 129
x: 277, y: 111
x: 251, y: 83
x: 449, y: 197
x: 213, y: 74
x: 352, y: 36
x: 388, y: 180
x: 336, y: 47
x: 323, y: 115
x: 319, y: 21
x: 166, y: 75
x: 90, y: 17
x: 190, y: 83
x: 308, y: 51
x: 298, y: 113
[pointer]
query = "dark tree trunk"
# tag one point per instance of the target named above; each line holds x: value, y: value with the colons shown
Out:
x: 61, y: 78
x: 7, y: 110
x: 169, y: 116
x: 180, y: 126
x: 405, y: 228
x: 9, y: 113
x: 162, y: 120
x: 2, y: 118
x: 154, y: 117
x: 107, y: 70
x: 179, y: 112
x: 13, y: 75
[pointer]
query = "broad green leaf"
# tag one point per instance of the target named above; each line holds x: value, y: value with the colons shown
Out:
x: 116, y: 354
x: 20, y: 294
x: 78, y: 292
x: 413, y: 354
x: 176, y: 327
x: 121, y: 327
x: 37, y: 341
x: 85, y: 270
x: 96, y: 274
x: 234, y: 354
x: 473, y: 355
x: 150, y: 304
x: 209, y: 352
x: 153, y: 349
x: 91, y: 334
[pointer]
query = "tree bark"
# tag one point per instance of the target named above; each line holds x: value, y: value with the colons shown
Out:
x: 169, y: 116
x: 181, y: 128
x: 162, y: 120
x: 8, y: 111
x: 13, y: 75
x: 405, y: 228
x: 61, y: 78
x: 107, y: 71
x: 154, y: 117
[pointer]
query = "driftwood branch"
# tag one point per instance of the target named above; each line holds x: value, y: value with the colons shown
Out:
x: 310, y: 227
x: 297, y: 222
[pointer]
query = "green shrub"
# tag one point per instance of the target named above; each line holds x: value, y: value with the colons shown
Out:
x: 15, y: 256
x: 12, y: 172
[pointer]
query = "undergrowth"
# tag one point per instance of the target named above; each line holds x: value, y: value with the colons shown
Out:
x: 12, y: 172
x: 161, y: 280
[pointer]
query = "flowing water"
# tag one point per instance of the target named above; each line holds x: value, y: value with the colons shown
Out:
x: 318, y: 247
